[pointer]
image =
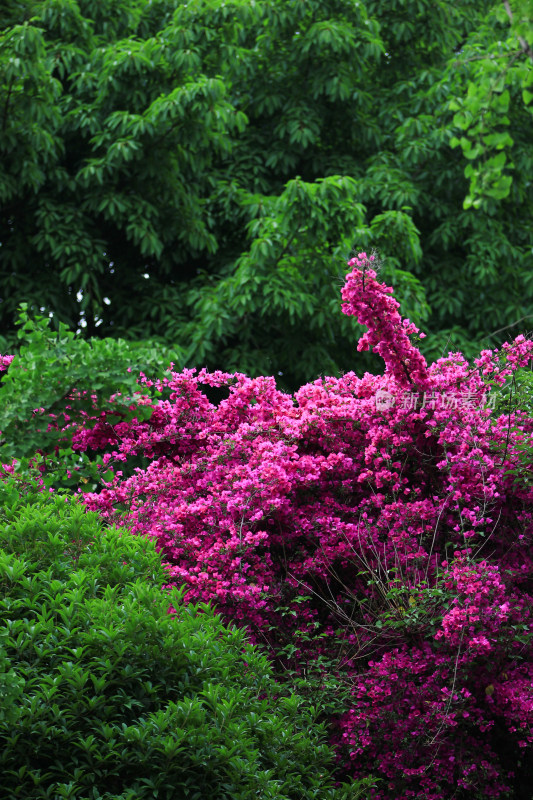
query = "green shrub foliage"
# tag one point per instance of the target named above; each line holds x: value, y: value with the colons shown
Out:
x: 57, y: 377
x: 118, y: 691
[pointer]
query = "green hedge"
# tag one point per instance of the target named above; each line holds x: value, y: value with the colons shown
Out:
x: 107, y: 696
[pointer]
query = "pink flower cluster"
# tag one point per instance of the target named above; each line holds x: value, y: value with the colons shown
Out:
x: 387, y: 333
x: 479, y: 607
x: 5, y: 361
x: 397, y: 531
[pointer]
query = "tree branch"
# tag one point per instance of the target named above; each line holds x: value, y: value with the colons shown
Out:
x: 6, y: 104
x: 490, y: 335
x: 523, y: 44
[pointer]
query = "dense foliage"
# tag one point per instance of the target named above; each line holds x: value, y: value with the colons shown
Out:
x: 374, y: 533
x: 197, y: 172
x: 501, y: 74
x: 112, y: 696
x: 56, y: 376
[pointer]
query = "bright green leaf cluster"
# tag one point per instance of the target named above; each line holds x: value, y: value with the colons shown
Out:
x: 116, y: 689
x: 500, y: 76
x: 59, y: 373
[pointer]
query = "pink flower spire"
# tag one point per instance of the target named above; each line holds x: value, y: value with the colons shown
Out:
x: 387, y: 333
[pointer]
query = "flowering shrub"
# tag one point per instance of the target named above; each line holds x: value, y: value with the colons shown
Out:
x: 370, y: 519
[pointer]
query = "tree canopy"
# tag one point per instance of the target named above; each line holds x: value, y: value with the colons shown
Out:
x: 197, y: 173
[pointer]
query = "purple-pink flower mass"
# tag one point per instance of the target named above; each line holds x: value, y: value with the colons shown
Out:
x: 394, y: 534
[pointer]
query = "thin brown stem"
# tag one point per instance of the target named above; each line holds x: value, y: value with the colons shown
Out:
x: 523, y: 44
x: 6, y: 104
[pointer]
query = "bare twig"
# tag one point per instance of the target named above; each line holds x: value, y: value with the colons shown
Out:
x: 518, y: 321
x: 523, y: 44
x: 492, y: 57
x: 6, y: 104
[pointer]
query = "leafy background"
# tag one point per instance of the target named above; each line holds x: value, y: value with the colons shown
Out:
x: 196, y: 174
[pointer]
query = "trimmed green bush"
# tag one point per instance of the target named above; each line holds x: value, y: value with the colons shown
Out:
x: 108, y: 696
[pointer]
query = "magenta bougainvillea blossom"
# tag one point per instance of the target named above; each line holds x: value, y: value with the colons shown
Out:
x: 376, y: 508
x: 5, y: 361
